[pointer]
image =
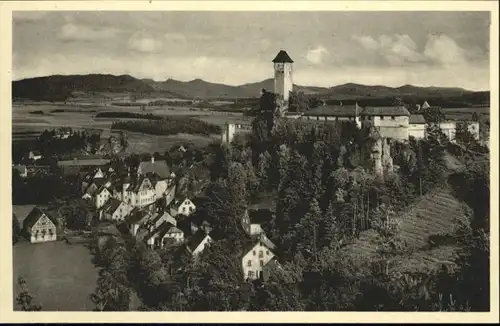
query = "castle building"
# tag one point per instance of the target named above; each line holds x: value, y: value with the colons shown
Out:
x: 283, y: 75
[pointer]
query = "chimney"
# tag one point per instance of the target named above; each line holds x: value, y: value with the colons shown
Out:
x: 152, y: 158
x: 340, y: 103
x: 75, y: 160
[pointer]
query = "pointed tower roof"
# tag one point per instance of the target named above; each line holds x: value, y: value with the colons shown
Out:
x: 282, y: 56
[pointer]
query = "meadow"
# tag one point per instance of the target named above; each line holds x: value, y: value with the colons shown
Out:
x: 26, y: 126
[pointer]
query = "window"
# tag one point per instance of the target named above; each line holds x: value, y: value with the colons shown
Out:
x: 382, y: 118
x: 267, y: 252
x: 393, y: 117
x: 250, y: 274
x: 261, y: 263
x: 184, y: 209
x: 261, y: 254
x: 249, y: 263
x: 254, y: 253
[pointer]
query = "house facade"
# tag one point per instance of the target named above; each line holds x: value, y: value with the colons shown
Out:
x: 102, y: 195
x: 39, y: 227
x: 198, y: 242
x: 254, y: 260
x: 137, y: 192
x: 115, y: 210
x: 184, y: 207
x: 391, y: 121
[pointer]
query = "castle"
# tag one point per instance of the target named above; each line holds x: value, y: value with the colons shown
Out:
x: 392, y: 122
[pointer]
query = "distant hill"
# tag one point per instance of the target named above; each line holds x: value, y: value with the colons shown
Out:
x: 57, y: 88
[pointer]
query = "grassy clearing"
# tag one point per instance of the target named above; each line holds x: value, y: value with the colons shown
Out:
x: 433, y: 214
x: 61, y: 276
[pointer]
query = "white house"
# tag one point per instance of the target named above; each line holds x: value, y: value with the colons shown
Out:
x: 137, y: 192
x: 39, y: 227
x: 102, y: 195
x: 184, y: 207
x: 167, y: 232
x: 198, y: 242
x: 34, y: 155
x: 254, y: 259
x: 22, y: 169
x: 159, y: 168
x: 115, y: 210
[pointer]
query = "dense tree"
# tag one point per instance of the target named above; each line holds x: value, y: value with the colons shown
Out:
x: 16, y: 229
x: 25, y: 298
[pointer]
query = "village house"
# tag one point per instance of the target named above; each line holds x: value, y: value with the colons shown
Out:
x: 101, y: 196
x: 198, y: 242
x: 136, y: 220
x: 39, y: 227
x: 164, y: 234
x: 253, y: 219
x: 114, y: 210
x: 135, y: 191
x: 255, y: 257
x: 158, y: 219
x: 34, y: 155
x: 184, y: 207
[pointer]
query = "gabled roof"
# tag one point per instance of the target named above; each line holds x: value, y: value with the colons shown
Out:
x: 112, y: 205
x: 33, y: 217
x: 335, y: 111
x: 385, y: 111
x: 158, y: 167
x: 136, y: 216
x: 425, y: 105
x: 417, y: 119
x: 283, y: 57
x: 195, y: 240
x: 167, y: 228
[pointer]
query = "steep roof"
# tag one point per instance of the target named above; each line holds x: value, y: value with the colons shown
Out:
x: 385, y: 111
x: 195, y: 240
x: 425, y: 105
x: 168, y: 227
x: 283, y: 57
x: 112, y: 205
x: 32, y: 217
x: 83, y: 162
x: 335, y: 111
x: 158, y: 167
x: 260, y: 216
x: 417, y: 119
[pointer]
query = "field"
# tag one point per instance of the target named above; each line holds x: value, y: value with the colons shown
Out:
x: 433, y: 215
x: 26, y: 126
x: 61, y: 276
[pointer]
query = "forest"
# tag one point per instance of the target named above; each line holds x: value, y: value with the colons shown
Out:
x: 325, y: 197
x: 169, y: 125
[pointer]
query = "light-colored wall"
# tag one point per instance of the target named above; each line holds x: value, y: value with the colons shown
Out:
x: 228, y: 133
x: 102, y: 198
x: 43, y: 223
x: 121, y: 212
x: 186, y: 208
x: 388, y: 127
x: 448, y: 128
x: 417, y: 130
x: 255, y: 261
x: 283, y: 79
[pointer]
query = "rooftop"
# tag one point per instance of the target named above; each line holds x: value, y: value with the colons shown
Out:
x: 385, y: 111
x: 335, y: 111
x: 157, y: 167
x: 417, y: 119
x: 282, y: 57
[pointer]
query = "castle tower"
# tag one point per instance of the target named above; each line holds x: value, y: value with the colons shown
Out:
x: 283, y: 72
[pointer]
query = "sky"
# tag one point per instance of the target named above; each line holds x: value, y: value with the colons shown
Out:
x: 449, y: 49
